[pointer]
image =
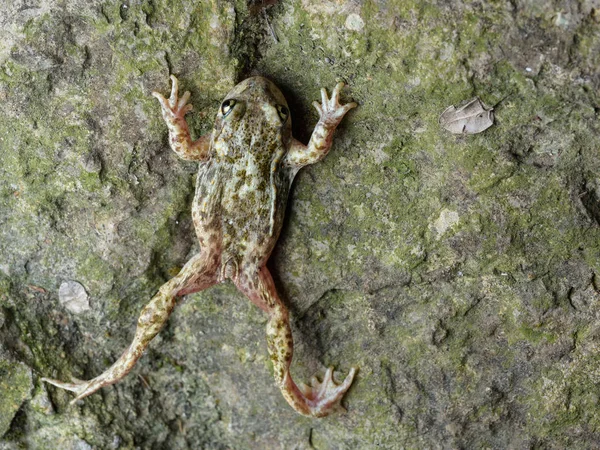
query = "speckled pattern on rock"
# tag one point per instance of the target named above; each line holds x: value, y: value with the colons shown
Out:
x: 461, y: 273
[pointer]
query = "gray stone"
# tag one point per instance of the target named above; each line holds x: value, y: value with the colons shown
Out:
x: 15, y: 386
x: 72, y: 296
x: 460, y: 273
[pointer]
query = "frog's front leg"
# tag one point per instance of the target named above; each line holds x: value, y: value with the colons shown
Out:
x: 196, y: 275
x: 174, y: 110
x: 331, y: 113
x: 318, y: 400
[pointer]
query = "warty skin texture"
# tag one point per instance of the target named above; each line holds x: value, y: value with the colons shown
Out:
x: 247, y: 164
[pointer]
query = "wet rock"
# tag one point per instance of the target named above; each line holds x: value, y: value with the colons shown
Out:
x: 460, y: 273
x: 15, y: 387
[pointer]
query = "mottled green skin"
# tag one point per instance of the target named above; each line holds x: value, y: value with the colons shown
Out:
x: 242, y: 189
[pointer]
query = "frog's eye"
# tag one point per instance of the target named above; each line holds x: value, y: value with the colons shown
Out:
x: 283, y: 112
x: 227, y: 106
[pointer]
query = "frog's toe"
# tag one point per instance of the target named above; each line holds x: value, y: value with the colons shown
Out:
x: 81, y: 388
x: 319, y: 108
x: 163, y: 101
x: 324, y: 397
x: 181, y: 102
x: 335, y: 94
x: 174, y: 90
x: 74, y: 386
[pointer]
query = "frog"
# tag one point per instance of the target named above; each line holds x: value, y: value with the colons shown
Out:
x: 246, y: 167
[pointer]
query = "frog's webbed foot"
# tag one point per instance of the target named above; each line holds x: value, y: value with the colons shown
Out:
x: 331, y: 112
x: 324, y: 397
x: 174, y: 107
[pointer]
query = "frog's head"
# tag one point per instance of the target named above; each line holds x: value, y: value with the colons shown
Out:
x: 253, y: 107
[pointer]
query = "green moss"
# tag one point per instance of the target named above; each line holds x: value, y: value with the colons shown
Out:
x: 15, y: 385
x: 438, y: 321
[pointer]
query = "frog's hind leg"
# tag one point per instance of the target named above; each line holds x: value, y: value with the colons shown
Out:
x: 317, y: 400
x: 199, y: 273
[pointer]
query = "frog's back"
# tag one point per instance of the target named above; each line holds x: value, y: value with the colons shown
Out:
x: 242, y: 190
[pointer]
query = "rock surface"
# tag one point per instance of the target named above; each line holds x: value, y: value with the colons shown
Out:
x: 461, y: 273
x: 15, y: 386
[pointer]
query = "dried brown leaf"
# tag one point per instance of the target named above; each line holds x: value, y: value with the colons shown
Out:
x: 471, y: 118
